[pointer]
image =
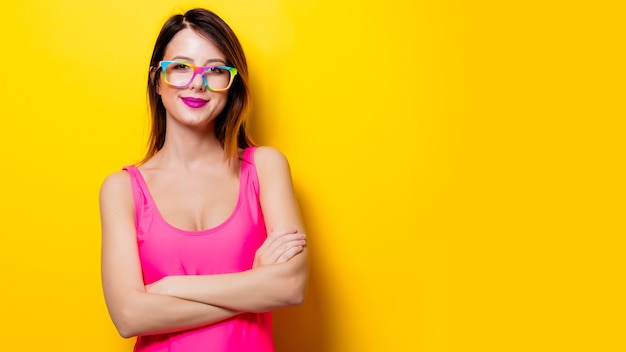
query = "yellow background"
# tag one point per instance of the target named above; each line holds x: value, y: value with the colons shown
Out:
x: 460, y: 166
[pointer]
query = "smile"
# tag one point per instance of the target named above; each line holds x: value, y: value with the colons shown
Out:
x: 194, y: 103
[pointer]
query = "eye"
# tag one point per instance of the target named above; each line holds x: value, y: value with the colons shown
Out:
x: 216, y: 70
x: 180, y: 67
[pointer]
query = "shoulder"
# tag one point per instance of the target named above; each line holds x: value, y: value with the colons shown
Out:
x: 272, y: 168
x: 116, y: 186
x: 269, y: 158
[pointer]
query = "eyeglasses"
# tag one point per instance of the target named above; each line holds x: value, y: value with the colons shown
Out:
x: 181, y: 74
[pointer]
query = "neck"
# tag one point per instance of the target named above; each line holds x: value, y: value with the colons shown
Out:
x: 190, y: 147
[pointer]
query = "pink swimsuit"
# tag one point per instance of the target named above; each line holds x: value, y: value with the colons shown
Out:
x: 229, y: 247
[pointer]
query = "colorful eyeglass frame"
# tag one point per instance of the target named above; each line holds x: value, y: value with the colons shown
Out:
x: 198, y: 70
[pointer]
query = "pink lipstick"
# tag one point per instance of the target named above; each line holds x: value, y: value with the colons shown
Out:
x: 194, y: 103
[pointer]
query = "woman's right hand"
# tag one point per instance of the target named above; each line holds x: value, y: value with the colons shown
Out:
x: 279, y: 247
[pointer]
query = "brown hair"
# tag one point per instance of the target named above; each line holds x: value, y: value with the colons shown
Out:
x: 230, y: 126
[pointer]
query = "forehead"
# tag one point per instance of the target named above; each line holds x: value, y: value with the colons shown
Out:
x: 188, y: 43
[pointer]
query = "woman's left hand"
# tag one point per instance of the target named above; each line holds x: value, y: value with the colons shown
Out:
x: 279, y: 247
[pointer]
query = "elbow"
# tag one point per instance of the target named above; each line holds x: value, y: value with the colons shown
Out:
x: 128, y: 312
x: 125, y: 333
x: 296, y: 291
x: 125, y: 330
x: 295, y: 299
x: 125, y: 324
x: 287, y: 284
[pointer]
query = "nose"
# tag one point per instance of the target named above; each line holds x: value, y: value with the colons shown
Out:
x: 197, y: 82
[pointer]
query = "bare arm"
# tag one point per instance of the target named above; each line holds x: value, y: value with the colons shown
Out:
x: 133, y: 310
x: 266, y: 287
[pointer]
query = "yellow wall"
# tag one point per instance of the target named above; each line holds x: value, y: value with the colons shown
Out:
x: 459, y: 164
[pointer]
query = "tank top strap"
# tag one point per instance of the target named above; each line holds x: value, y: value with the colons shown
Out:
x: 139, y: 189
x: 248, y: 154
x: 248, y: 170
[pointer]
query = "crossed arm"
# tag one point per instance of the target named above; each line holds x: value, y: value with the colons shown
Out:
x: 178, y: 303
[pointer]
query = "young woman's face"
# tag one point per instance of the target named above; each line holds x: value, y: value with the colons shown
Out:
x: 194, y: 105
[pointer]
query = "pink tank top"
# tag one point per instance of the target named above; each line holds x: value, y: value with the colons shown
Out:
x: 165, y: 250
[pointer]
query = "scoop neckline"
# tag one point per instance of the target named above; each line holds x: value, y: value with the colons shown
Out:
x: 210, y: 230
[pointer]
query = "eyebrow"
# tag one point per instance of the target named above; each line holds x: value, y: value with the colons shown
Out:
x: 191, y: 60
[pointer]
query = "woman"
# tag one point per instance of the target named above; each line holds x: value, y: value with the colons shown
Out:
x: 203, y: 239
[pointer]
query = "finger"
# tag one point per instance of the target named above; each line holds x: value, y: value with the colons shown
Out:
x: 276, y: 244
x: 292, y: 252
x: 273, y: 237
x: 284, y: 242
x: 285, y: 250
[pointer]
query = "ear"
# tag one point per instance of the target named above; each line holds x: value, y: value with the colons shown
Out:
x: 157, y: 82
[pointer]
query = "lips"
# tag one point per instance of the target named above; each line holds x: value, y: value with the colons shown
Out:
x: 194, y: 103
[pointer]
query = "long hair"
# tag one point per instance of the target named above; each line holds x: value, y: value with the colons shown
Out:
x: 231, y: 128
